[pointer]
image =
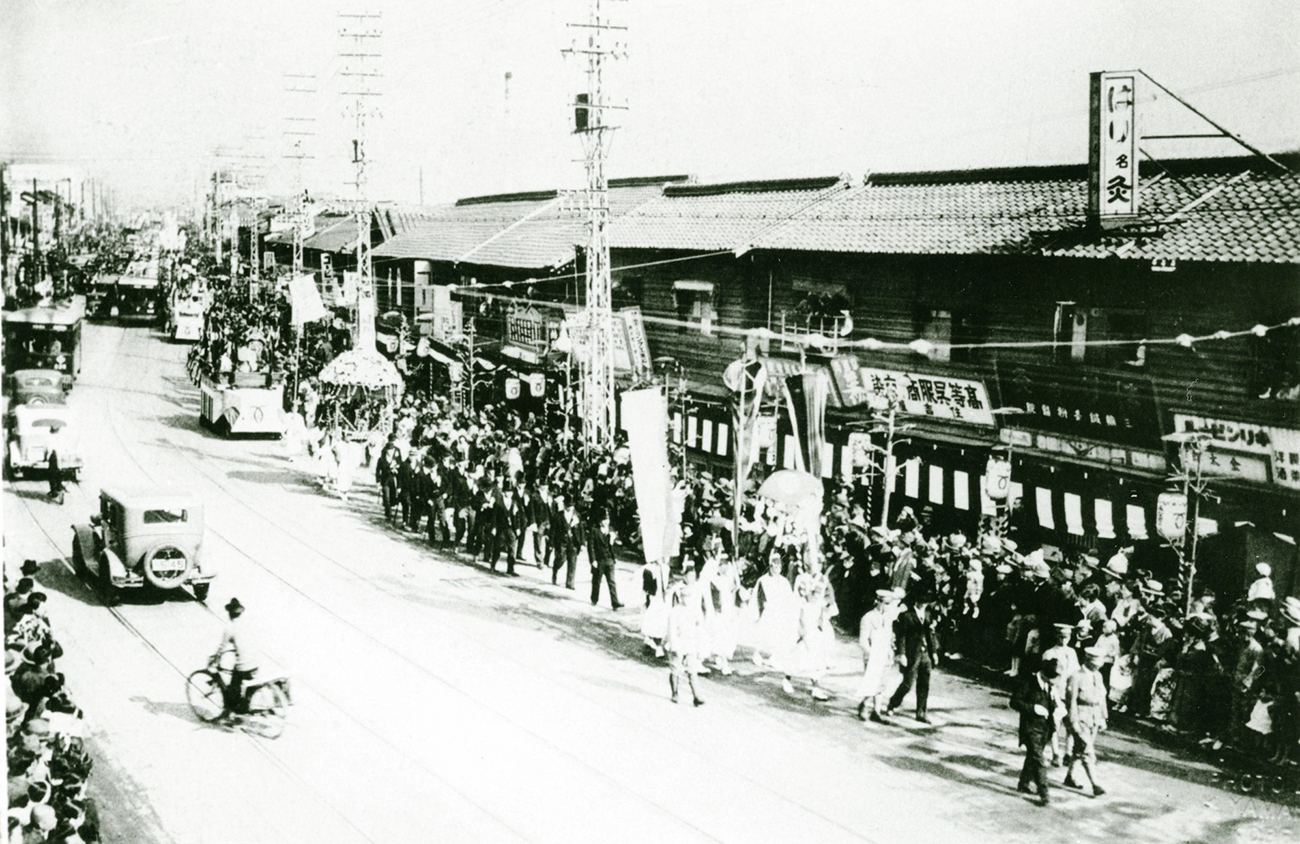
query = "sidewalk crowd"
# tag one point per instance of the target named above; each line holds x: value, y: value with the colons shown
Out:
x: 48, y: 764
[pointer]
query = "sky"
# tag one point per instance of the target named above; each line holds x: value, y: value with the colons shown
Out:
x: 151, y: 96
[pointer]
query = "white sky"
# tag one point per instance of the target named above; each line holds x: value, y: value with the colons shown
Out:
x: 143, y: 93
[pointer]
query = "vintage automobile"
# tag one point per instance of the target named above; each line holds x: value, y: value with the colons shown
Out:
x: 39, y: 386
x: 35, y: 430
x: 143, y: 537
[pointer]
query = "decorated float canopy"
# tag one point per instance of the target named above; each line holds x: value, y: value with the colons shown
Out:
x: 361, y: 368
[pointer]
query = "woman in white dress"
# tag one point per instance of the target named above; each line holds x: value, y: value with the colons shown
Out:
x: 327, y: 462
x: 724, y: 590
x: 654, y: 621
x: 810, y: 656
x: 345, y: 452
x: 778, y: 617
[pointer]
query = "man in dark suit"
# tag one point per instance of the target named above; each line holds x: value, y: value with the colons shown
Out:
x: 503, y: 514
x: 386, y: 471
x: 600, y: 547
x: 565, y: 540
x: 918, y: 653
x: 1037, y: 707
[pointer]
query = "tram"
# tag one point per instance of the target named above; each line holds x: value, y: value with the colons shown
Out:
x: 45, y: 337
x: 127, y: 295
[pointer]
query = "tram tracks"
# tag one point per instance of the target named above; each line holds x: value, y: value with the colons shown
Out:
x: 134, y: 631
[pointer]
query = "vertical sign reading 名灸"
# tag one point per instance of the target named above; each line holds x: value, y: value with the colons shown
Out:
x: 1112, y: 147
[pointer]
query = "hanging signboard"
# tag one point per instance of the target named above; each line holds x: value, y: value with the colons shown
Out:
x: 1112, y: 148
x: 933, y: 396
x: 532, y: 327
x: 1110, y: 407
x: 638, y: 347
x: 1245, y: 450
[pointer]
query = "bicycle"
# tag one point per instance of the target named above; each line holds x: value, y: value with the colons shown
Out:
x: 265, y: 702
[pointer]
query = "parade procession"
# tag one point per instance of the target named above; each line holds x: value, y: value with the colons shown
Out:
x: 418, y: 416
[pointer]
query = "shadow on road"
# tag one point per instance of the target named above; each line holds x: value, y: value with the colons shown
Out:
x: 179, y: 711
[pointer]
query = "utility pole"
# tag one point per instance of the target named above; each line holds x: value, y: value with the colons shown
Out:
x: 590, y: 124
x: 4, y: 237
x: 359, y: 52
x: 297, y: 133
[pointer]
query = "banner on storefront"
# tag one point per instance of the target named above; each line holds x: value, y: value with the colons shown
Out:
x: 806, y: 395
x: 645, y: 417
x: 1110, y: 407
x: 934, y: 396
x: 532, y: 327
x: 446, y: 314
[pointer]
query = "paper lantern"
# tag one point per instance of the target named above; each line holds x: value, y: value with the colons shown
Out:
x: 512, y: 388
x: 997, y: 478
x: 537, y: 385
x: 1171, y: 516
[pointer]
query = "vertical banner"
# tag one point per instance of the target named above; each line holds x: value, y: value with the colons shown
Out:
x: 1112, y: 147
x: 746, y: 380
x: 645, y: 416
x: 806, y: 395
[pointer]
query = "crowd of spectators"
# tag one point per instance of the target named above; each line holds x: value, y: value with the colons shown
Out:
x: 48, y: 763
x: 495, y: 485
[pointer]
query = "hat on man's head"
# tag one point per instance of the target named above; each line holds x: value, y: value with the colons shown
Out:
x: 1256, y: 616
x: 1117, y: 565
x: 1264, y: 569
x: 30, y: 568
x: 233, y: 605
x: 1049, y: 668
x: 1151, y: 588
x: 11, y: 662
x: 1094, y: 652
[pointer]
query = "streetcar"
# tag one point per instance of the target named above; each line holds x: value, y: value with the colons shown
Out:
x: 242, y: 403
x: 126, y: 295
x: 45, y: 337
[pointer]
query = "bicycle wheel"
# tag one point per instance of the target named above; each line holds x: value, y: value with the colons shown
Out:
x: 267, y: 710
x: 203, y: 691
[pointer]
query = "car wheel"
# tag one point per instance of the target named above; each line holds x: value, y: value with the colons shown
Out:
x: 166, y: 567
x: 201, y: 591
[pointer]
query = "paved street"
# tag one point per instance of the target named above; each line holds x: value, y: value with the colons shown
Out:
x: 436, y: 701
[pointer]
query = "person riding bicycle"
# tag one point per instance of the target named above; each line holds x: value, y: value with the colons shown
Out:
x: 235, y: 640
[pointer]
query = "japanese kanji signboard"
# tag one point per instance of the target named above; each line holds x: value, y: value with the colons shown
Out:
x: 1247, y: 451
x: 934, y: 396
x: 1112, y: 147
x: 1109, y: 407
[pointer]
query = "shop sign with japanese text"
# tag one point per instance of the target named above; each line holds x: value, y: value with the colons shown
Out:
x: 933, y: 396
x: 1246, y: 450
x: 1112, y: 147
x: 1108, y: 407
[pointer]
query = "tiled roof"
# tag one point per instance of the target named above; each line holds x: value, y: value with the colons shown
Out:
x: 538, y: 230
x: 1235, y: 209
x: 718, y: 217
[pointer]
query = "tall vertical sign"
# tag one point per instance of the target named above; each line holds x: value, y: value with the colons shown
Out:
x: 1112, y: 148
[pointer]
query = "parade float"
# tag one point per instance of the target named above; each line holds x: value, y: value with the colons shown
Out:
x: 359, y: 391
